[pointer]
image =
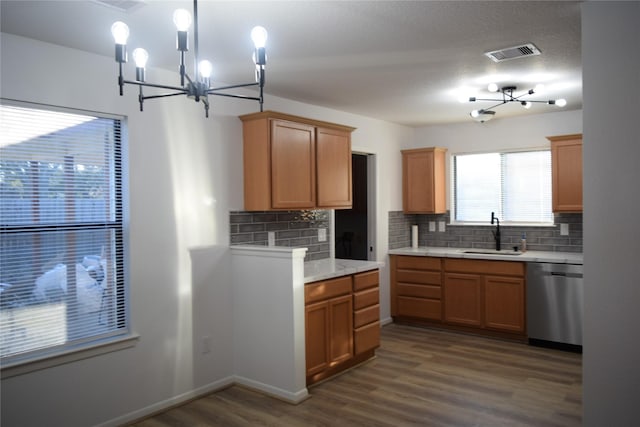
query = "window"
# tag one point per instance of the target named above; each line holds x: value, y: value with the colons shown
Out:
x: 514, y: 185
x: 62, y: 260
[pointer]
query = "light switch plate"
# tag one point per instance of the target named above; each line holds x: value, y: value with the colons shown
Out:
x: 432, y: 226
x: 441, y: 226
x: 322, y: 234
x: 564, y: 229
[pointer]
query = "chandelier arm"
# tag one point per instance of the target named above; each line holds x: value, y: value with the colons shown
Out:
x: 231, y: 95
x: 164, y: 95
x: 215, y: 89
x: 147, y: 84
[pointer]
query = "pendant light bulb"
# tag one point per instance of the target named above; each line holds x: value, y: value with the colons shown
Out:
x: 492, y: 87
x: 475, y: 113
x: 259, y: 36
x: 205, y: 68
x: 120, y: 32
x: 526, y: 104
x: 140, y: 56
x: 561, y: 102
x: 182, y: 19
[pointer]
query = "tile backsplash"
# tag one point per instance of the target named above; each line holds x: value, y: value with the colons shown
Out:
x: 291, y: 228
x: 465, y: 236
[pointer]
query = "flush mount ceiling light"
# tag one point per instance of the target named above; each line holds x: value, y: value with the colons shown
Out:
x: 508, y: 96
x: 199, y: 87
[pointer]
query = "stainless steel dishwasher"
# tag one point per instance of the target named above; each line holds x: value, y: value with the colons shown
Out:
x: 555, y: 305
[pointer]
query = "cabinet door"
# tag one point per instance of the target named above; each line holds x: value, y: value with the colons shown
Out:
x: 423, y: 181
x: 340, y: 329
x: 293, y: 170
x: 333, y: 163
x: 463, y: 299
x: 504, y: 303
x: 317, y: 337
x: 566, y: 164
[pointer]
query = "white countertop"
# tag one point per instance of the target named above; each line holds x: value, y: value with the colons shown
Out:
x: 528, y: 256
x: 332, y: 267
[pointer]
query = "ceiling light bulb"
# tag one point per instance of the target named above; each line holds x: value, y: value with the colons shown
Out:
x: 259, y: 36
x: 526, y: 104
x: 205, y: 68
x: 561, y: 102
x: 475, y: 113
x: 140, y: 56
x: 492, y: 87
x: 182, y: 19
x: 120, y: 32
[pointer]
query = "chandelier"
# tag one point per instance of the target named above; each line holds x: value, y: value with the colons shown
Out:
x: 486, y: 114
x: 197, y: 87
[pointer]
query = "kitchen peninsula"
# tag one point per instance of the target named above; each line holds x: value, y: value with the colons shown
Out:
x: 269, y: 287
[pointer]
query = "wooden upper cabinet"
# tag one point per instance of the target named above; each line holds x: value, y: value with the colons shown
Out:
x: 333, y: 160
x: 566, y: 166
x: 292, y: 144
x: 291, y: 162
x: 423, y: 180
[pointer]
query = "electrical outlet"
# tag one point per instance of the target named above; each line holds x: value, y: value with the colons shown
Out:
x: 441, y: 226
x: 271, y: 238
x: 564, y: 229
x: 322, y: 234
x: 206, y: 344
x: 432, y: 226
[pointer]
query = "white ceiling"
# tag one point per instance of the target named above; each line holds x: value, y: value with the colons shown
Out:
x: 400, y: 61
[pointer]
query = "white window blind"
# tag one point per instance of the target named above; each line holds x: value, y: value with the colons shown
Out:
x: 61, y: 226
x: 516, y: 186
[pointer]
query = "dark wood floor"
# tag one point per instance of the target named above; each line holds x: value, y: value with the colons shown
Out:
x: 420, y: 377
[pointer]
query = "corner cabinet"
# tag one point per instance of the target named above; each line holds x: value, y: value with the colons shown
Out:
x: 423, y: 180
x: 566, y: 166
x: 291, y: 162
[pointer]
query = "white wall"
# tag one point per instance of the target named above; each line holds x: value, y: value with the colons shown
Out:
x: 185, y: 176
x: 611, y: 360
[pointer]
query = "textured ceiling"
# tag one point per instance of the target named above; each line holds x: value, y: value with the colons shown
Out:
x: 406, y: 62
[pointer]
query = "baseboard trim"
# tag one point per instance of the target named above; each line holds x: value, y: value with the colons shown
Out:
x: 278, y: 393
x: 168, y: 403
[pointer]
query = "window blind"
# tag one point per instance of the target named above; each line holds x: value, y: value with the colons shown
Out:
x: 514, y: 185
x: 61, y: 224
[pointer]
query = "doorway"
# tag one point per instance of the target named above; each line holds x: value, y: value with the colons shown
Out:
x: 352, y: 225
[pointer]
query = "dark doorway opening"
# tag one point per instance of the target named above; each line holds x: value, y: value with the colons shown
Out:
x: 351, y: 225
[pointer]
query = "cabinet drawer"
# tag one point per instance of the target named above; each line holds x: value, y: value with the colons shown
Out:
x: 422, y: 291
x: 326, y: 289
x: 508, y: 268
x: 367, y: 337
x: 420, y: 307
x: 366, y: 298
x: 366, y: 315
x: 418, y: 276
x: 365, y: 280
x: 418, y: 263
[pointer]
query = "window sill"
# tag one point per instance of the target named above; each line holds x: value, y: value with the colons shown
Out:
x: 505, y: 224
x: 72, y: 355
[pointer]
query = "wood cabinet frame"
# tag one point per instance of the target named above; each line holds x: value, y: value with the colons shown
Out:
x: 566, y: 167
x: 292, y: 162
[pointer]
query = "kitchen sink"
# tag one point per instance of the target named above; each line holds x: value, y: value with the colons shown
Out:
x: 490, y: 252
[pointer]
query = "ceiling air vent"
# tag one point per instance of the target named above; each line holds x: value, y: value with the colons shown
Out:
x: 514, y: 52
x: 121, y: 5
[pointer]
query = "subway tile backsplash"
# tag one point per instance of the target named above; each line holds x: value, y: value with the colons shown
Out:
x: 292, y: 228
x: 465, y: 236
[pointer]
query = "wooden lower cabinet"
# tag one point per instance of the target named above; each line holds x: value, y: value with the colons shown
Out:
x: 342, y: 323
x: 463, y: 299
x: 416, y: 287
x: 482, y: 296
x: 504, y: 302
